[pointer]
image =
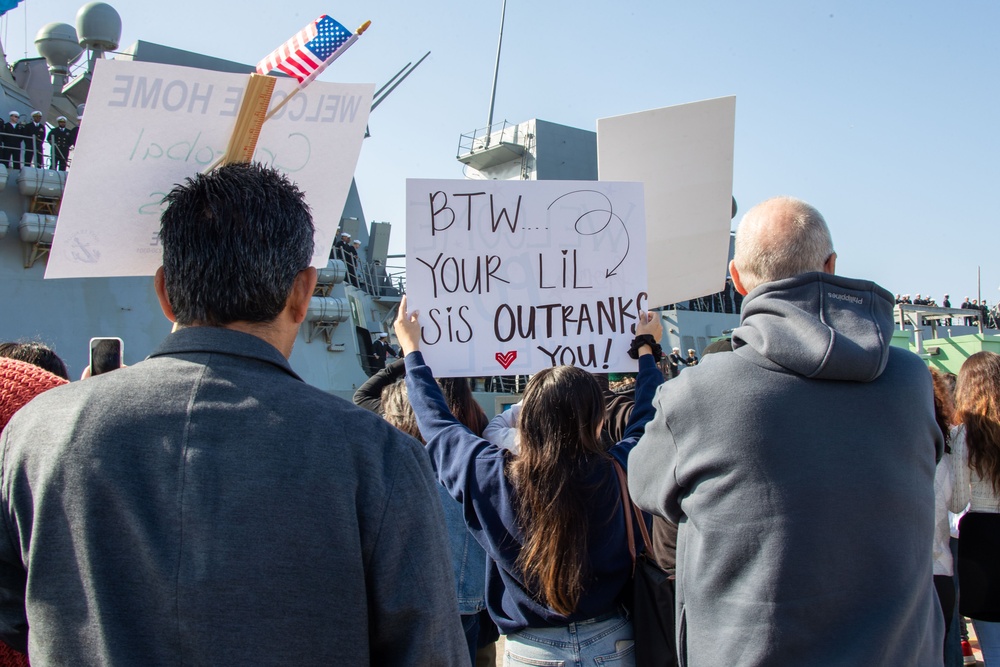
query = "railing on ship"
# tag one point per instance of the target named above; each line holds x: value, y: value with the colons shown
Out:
x: 727, y: 301
x: 19, y: 145
x: 379, y: 280
x: 482, y: 138
x: 915, y: 315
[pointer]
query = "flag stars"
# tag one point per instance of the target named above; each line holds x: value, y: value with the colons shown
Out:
x: 307, y: 53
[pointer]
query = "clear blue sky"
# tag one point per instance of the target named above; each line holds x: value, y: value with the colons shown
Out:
x: 882, y: 115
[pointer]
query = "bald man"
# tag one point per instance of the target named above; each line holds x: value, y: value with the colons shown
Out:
x: 799, y: 468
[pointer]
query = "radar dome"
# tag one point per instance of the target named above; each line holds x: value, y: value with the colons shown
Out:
x: 99, y: 26
x: 58, y: 44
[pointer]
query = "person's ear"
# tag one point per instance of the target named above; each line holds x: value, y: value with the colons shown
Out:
x: 735, y: 275
x: 830, y: 265
x: 302, y: 292
x: 160, y: 285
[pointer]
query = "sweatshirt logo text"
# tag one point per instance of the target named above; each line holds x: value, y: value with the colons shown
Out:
x: 846, y: 297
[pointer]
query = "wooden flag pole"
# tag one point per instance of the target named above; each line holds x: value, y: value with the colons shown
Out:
x: 249, y: 120
x: 253, y: 110
x: 280, y: 104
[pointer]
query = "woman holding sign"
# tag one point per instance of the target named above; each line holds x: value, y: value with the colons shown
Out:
x: 549, y: 518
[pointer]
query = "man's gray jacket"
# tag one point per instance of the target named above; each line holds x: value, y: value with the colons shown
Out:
x: 800, y: 469
x: 207, y: 507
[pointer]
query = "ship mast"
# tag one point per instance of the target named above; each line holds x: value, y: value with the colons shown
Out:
x: 496, y: 72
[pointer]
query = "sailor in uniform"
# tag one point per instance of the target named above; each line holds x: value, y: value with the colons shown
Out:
x: 34, y: 140
x: 60, y: 138
x: 11, y: 139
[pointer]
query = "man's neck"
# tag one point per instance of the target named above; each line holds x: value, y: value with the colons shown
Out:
x: 280, y: 337
x: 271, y: 332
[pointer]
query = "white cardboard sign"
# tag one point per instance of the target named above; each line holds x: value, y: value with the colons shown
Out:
x: 514, y: 276
x: 148, y: 127
x: 684, y: 156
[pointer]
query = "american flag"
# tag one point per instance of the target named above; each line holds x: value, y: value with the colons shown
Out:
x: 308, y: 53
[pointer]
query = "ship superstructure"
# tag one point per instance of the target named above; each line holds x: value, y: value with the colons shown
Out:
x: 356, y: 297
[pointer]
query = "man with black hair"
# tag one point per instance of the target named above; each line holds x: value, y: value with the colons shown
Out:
x: 206, y: 505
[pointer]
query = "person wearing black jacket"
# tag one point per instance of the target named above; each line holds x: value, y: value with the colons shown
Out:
x: 60, y: 138
x: 369, y: 395
x: 34, y: 140
x: 381, y: 349
x: 11, y: 140
x: 676, y: 361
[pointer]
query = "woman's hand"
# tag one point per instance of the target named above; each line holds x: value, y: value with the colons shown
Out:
x: 407, y: 328
x: 649, y: 323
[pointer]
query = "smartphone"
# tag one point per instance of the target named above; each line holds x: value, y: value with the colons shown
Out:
x: 105, y: 355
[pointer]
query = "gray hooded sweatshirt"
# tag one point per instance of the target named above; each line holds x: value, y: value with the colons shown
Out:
x: 800, y: 469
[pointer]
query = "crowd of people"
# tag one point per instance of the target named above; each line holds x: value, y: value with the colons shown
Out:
x: 24, y: 143
x: 989, y: 316
x: 207, y: 506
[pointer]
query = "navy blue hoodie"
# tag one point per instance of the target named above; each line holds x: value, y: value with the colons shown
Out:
x: 473, y: 471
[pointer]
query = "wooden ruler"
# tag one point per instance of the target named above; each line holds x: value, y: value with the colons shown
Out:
x: 253, y: 112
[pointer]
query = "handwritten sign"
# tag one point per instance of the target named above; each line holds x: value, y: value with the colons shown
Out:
x: 684, y: 156
x: 149, y: 126
x: 514, y: 276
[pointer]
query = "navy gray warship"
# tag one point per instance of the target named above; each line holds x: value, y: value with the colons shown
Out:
x: 355, y: 300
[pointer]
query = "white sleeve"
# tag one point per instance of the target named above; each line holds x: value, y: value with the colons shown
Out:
x: 502, y: 429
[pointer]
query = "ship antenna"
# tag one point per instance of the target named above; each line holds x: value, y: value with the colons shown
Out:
x: 395, y: 81
x: 496, y: 71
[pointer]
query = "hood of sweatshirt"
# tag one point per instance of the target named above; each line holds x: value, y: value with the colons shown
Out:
x: 819, y: 326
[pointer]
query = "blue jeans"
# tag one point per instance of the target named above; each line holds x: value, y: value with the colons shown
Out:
x: 989, y: 641
x: 470, y: 625
x: 598, y: 642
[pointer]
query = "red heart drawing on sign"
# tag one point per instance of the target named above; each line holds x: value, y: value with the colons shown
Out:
x: 506, y: 359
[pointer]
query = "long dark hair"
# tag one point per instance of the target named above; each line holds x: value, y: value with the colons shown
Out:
x: 944, y: 403
x: 561, y: 411
x: 977, y: 396
x: 458, y: 396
